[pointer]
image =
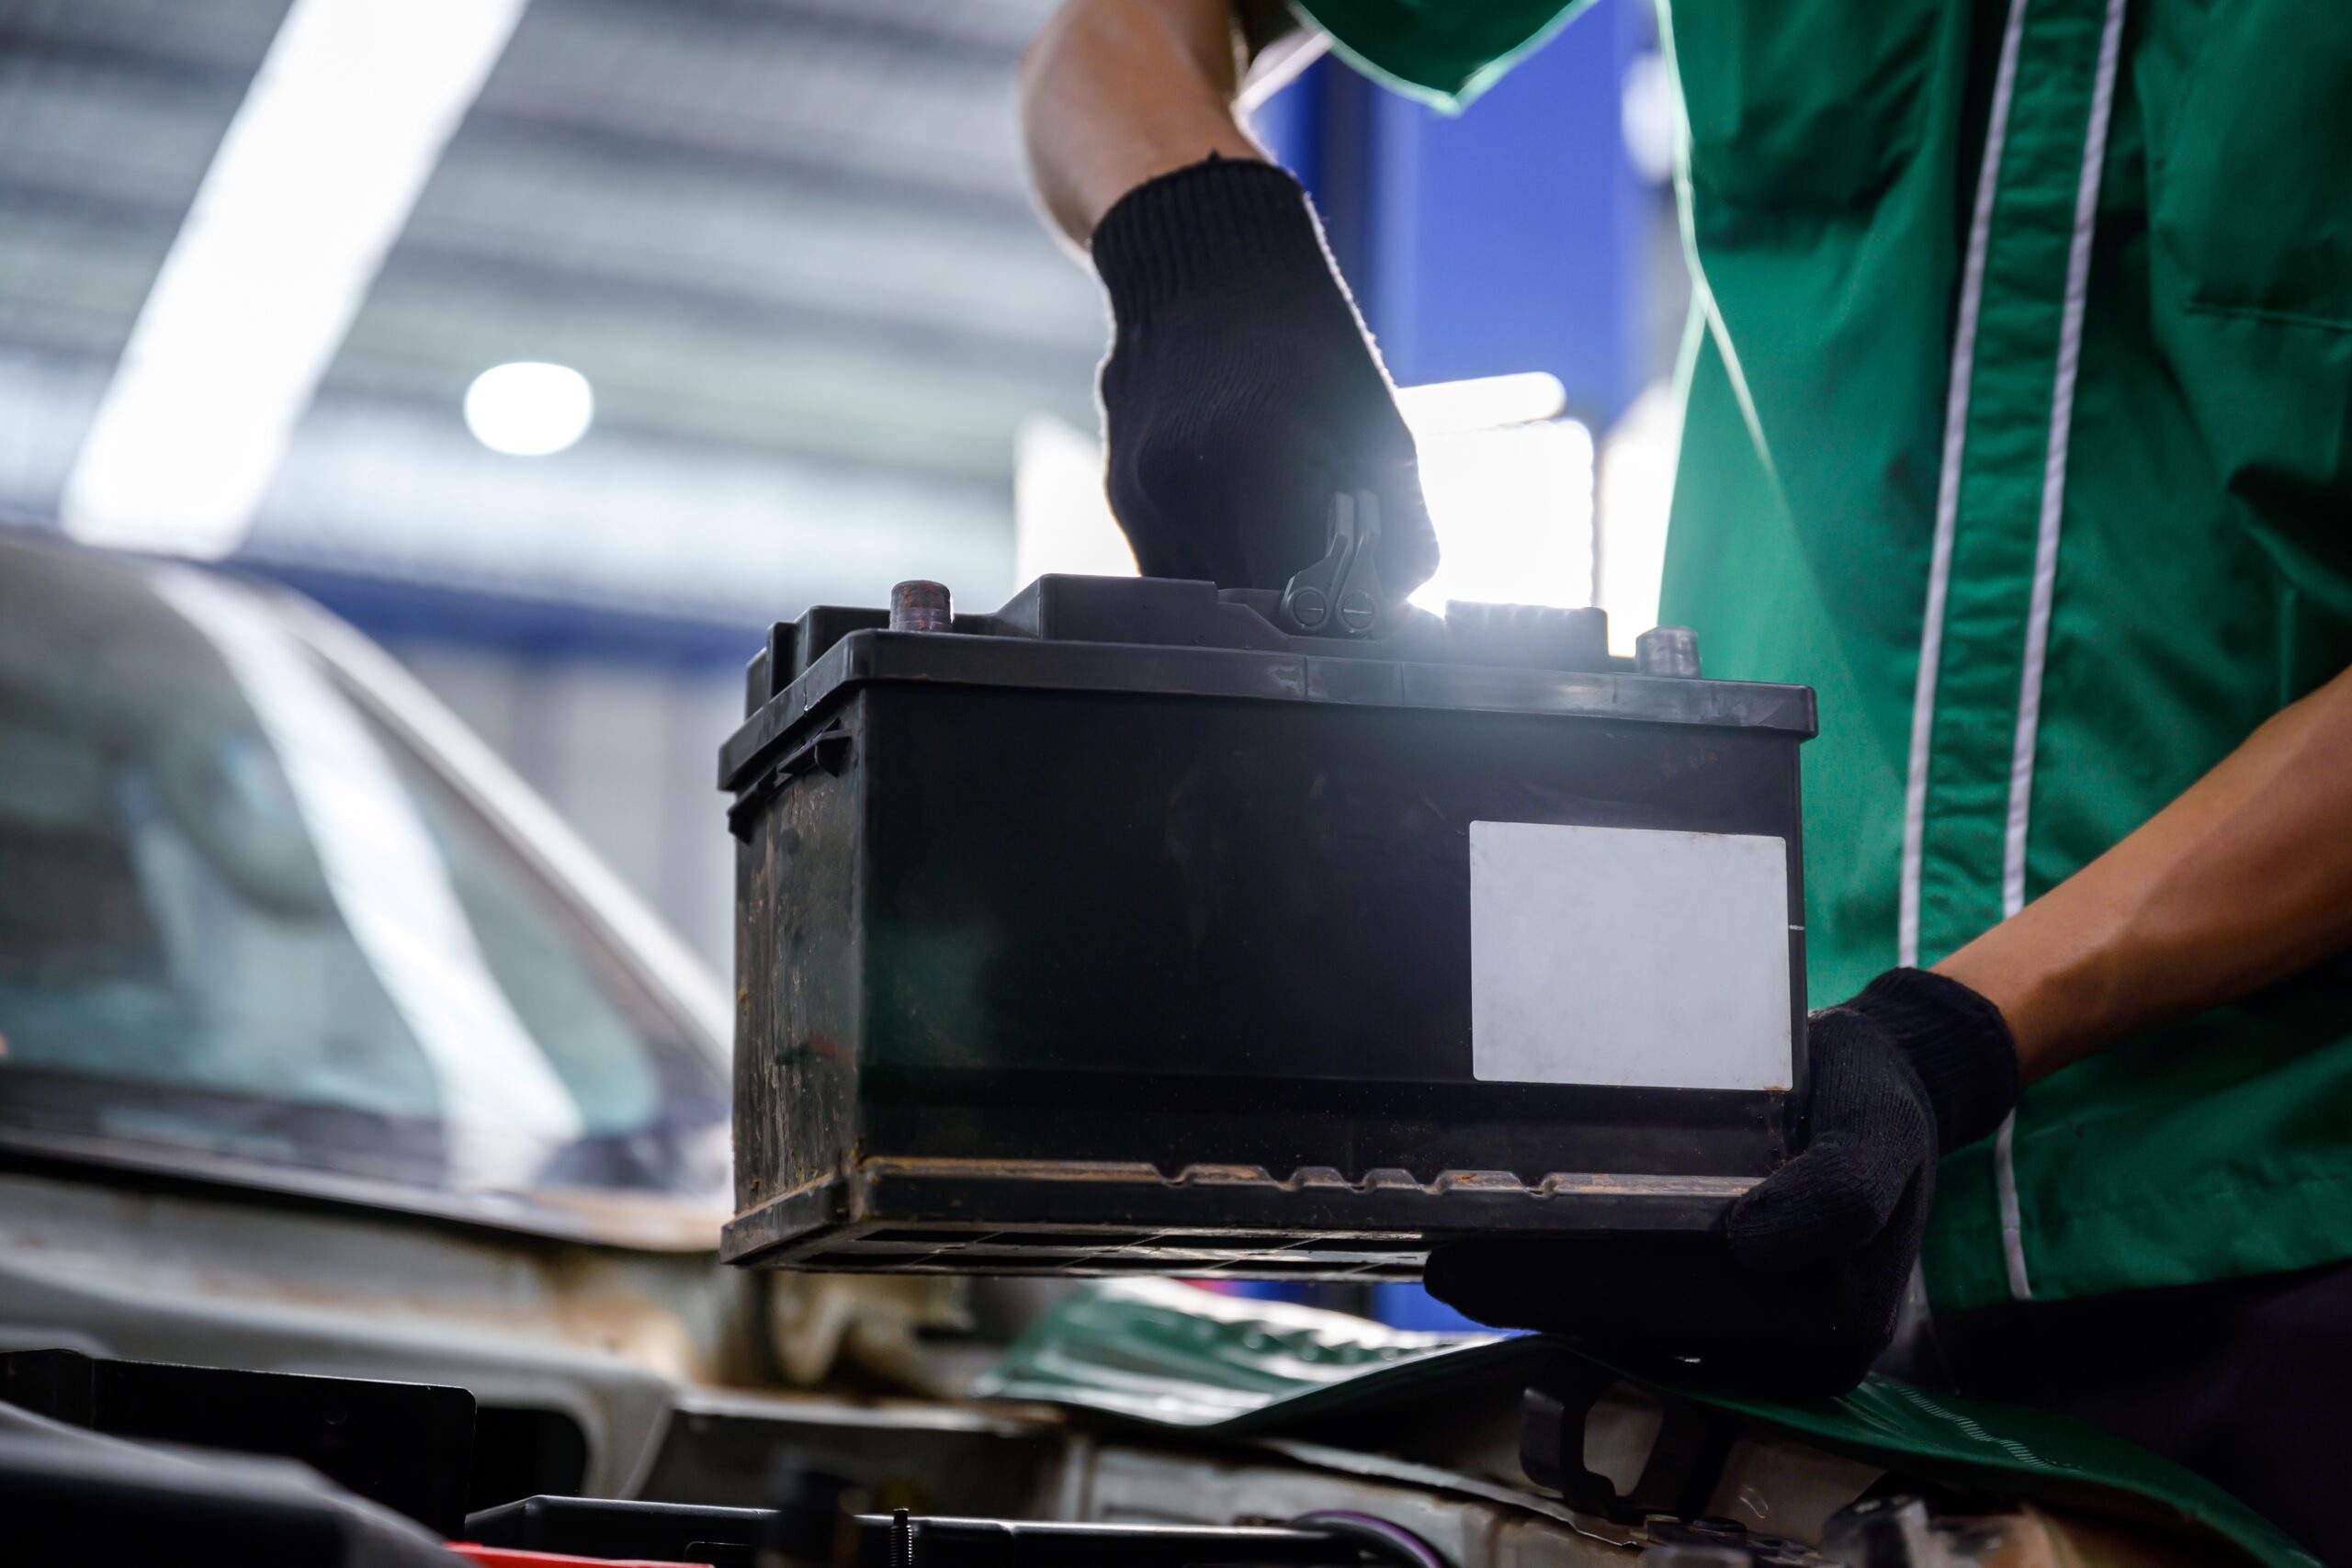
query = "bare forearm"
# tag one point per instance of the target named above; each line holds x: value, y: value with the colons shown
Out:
x: 2244, y: 880
x: 1116, y: 92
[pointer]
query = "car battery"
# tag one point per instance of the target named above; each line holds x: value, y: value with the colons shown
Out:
x: 1127, y: 928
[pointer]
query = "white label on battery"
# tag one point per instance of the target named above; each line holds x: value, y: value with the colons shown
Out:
x: 1628, y: 956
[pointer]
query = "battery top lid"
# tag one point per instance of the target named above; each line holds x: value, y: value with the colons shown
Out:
x: 1171, y: 637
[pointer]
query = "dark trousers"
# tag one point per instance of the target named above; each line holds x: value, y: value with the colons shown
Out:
x: 2246, y: 1381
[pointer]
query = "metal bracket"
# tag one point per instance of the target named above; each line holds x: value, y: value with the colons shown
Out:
x: 827, y: 748
x: 1684, y: 1462
x: 1341, y: 595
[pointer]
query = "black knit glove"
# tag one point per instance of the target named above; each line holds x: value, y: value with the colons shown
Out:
x: 1241, y: 391
x: 1798, y: 1290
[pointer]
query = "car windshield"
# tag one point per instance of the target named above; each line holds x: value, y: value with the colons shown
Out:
x: 245, y: 926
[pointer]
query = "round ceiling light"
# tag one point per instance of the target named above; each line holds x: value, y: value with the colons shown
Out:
x: 529, y: 409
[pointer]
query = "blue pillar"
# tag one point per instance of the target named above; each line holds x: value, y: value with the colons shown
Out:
x: 1510, y: 238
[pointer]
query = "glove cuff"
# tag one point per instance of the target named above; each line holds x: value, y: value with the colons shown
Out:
x: 1957, y: 1043
x: 1225, y: 225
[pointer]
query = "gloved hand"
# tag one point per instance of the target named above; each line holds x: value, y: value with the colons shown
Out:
x: 1797, y: 1290
x: 1241, y: 391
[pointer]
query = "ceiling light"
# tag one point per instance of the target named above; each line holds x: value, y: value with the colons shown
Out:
x: 1512, y: 508
x: 1482, y: 403
x: 529, y: 409
x: 315, y: 175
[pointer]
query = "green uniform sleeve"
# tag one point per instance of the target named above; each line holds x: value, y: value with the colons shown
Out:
x: 1444, y: 53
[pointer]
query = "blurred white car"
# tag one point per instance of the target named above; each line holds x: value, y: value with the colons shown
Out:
x: 324, y: 1046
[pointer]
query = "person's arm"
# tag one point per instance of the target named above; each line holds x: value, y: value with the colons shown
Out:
x: 1114, y: 93
x: 2246, y: 879
x: 1241, y: 394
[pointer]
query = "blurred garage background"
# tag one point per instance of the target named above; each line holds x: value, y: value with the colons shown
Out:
x: 563, y: 344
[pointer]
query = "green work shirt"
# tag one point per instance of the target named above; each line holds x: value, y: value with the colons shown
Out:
x: 2018, y: 424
